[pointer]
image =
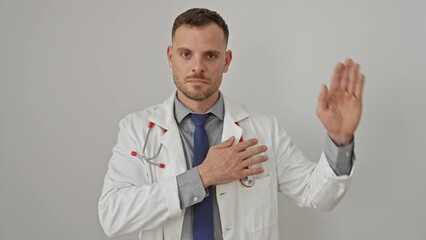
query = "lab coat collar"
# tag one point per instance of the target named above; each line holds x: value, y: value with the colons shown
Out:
x: 163, y: 114
x: 234, y: 114
x: 234, y: 111
x: 164, y: 117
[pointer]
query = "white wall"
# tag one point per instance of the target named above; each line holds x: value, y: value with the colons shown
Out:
x: 70, y: 70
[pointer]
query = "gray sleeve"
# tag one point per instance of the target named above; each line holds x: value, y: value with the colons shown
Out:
x: 190, y: 188
x: 340, y: 158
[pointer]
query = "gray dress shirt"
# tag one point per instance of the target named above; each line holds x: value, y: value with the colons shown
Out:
x: 190, y: 187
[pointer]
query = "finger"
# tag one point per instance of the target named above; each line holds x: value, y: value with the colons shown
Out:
x: 353, y: 78
x: 249, y: 152
x: 335, y: 80
x: 345, y: 75
x: 254, y: 160
x: 241, y: 146
x: 225, y: 144
x: 322, y: 99
x: 251, y: 171
x: 360, y: 86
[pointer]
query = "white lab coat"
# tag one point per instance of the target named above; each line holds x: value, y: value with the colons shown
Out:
x: 140, y: 197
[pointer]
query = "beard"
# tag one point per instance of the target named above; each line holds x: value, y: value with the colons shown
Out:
x: 196, y: 93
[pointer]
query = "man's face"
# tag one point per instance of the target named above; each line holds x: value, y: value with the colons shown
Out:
x: 198, y: 59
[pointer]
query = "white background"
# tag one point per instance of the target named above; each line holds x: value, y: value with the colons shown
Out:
x: 70, y: 70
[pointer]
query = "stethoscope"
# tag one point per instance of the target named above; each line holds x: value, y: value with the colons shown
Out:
x: 143, y: 156
x: 246, y: 181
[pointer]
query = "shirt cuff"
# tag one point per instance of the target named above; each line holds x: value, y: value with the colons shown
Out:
x: 190, y: 188
x: 340, y: 158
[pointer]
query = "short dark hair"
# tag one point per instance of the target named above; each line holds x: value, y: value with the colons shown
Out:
x: 200, y: 17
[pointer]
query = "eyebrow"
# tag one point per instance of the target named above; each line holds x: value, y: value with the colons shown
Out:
x: 213, y: 51
x: 189, y: 50
x: 183, y: 49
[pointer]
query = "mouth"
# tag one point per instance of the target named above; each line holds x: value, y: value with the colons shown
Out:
x: 197, y: 81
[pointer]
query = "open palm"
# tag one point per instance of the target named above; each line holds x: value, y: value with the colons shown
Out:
x: 339, y: 109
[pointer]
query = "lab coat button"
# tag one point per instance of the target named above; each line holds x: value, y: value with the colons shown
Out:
x: 228, y: 228
x: 195, y: 199
x: 347, y: 154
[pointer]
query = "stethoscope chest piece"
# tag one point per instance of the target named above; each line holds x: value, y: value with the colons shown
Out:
x: 247, y: 181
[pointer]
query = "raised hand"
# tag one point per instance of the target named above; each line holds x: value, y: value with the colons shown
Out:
x: 339, y: 108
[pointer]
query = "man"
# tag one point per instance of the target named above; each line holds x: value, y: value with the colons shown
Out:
x: 204, y: 168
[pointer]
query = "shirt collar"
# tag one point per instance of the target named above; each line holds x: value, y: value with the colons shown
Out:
x: 181, y: 111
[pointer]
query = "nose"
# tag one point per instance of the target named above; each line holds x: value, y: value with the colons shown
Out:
x: 199, y: 65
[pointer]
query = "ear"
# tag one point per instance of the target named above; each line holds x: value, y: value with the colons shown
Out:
x: 169, y: 55
x: 228, y: 59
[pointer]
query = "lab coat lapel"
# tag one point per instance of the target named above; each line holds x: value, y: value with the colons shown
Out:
x: 233, y: 114
x: 171, y: 141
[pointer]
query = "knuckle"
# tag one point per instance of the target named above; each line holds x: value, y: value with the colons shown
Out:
x: 251, y: 152
x: 236, y: 175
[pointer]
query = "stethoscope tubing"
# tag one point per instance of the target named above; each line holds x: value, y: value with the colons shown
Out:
x: 144, y: 148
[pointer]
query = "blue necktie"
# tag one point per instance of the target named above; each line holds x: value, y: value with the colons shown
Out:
x: 203, y: 211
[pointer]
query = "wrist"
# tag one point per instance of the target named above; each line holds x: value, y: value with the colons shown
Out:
x: 341, y: 140
x: 204, y: 175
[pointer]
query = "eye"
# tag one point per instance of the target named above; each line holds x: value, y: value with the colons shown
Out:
x: 211, y: 56
x: 185, y: 55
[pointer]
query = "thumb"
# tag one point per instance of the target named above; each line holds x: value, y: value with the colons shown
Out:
x: 322, y: 99
x: 226, y: 143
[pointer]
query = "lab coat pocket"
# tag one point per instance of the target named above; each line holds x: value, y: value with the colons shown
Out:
x: 258, y: 205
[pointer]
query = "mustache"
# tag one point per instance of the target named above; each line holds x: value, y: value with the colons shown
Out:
x: 199, y: 76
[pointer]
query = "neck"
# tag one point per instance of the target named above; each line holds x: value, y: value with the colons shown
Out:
x: 199, y: 107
